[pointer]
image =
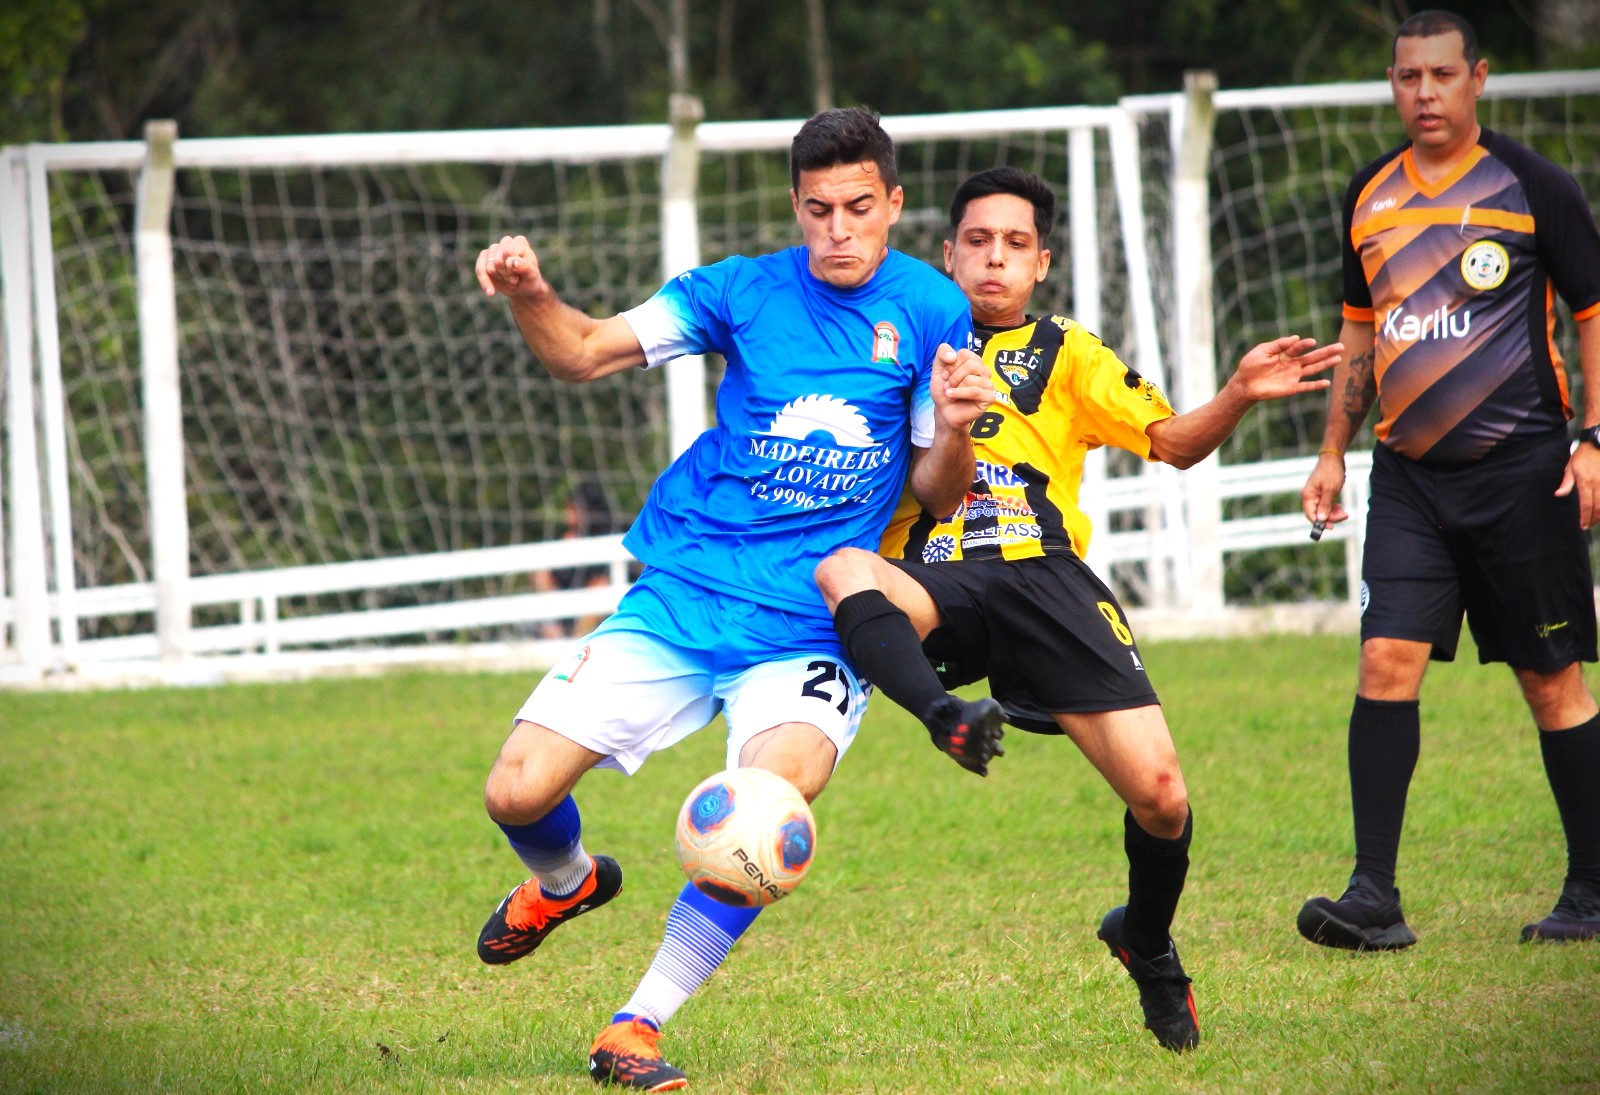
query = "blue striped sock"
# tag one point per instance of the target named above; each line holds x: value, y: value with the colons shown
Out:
x: 700, y: 933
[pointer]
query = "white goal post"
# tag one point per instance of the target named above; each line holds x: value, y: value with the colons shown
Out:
x: 258, y: 418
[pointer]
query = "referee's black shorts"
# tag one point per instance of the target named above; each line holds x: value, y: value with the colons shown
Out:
x: 1046, y: 632
x: 1489, y: 539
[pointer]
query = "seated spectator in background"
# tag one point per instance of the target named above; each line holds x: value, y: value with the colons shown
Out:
x: 588, y: 513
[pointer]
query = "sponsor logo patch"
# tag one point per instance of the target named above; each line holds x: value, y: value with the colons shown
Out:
x: 1401, y: 326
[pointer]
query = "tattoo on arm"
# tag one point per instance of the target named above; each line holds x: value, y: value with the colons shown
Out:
x: 1360, y: 390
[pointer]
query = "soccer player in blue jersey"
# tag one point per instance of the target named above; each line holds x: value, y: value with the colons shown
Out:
x: 847, y: 371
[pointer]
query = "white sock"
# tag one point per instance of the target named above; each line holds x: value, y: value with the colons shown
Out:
x: 691, y: 950
x: 559, y: 877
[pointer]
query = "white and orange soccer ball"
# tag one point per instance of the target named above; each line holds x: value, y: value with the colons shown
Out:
x: 746, y: 837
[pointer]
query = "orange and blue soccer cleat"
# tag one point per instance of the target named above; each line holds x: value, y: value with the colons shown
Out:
x: 626, y: 1055
x: 1164, y: 992
x: 528, y: 914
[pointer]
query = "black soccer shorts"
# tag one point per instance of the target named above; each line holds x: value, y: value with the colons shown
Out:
x: 1489, y: 539
x: 1046, y: 632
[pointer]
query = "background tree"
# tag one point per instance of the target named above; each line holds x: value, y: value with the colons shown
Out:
x: 97, y: 69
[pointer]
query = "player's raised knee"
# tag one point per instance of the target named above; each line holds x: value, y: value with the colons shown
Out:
x: 848, y: 570
x: 513, y: 795
x: 1162, y: 807
x: 503, y: 796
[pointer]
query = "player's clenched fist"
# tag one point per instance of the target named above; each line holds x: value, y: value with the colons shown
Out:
x: 962, y: 386
x: 510, y: 268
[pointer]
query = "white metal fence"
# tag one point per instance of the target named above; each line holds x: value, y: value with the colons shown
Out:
x: 255, y: 414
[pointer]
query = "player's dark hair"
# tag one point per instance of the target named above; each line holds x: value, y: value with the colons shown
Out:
x: 846, y: 135
x: 1428, y: 24
x: 1007, y: 180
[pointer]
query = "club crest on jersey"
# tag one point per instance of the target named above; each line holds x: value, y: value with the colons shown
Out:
x: 1485, y: 265
x: 1018, y: 365
x: 885, y: 343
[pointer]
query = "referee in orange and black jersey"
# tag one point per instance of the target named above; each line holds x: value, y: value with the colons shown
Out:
x: 1454, y: 246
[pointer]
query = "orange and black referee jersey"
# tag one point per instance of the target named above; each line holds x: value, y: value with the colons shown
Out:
x: 1459, y: 278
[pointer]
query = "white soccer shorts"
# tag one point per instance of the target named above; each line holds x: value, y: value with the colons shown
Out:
x: 629, y: 693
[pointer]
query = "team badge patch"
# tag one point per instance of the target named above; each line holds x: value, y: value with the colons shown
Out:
x: 1485, y: 265
x: 885, y: 343
x: 1018, y: 366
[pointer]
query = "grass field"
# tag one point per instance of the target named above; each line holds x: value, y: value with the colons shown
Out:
x: 277, y: 888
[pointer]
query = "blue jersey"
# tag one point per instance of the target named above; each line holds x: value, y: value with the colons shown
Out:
x: 825, y: 391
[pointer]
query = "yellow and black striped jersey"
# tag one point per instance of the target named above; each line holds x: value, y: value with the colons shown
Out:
x: 1059, y: 392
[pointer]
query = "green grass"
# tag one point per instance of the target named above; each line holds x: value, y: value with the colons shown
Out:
x: 277, y: 888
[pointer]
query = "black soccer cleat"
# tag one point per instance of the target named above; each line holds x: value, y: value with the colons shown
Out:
x: 1363, y: 919
x: 1575, y: 918
x: 528, y: 915
x: 969, y: 733
x: 1165, y: 994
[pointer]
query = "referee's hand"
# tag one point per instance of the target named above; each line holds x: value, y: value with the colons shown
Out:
x: 1583, y: 478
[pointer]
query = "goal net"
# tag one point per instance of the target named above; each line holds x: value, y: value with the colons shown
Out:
x: 1279, y: 175
x: 349, y: 396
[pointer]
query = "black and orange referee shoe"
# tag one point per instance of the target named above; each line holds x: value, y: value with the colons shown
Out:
x: 528, y: 914
x: 1575, y: 918
x: 626, y: 1054
x: 1365, y: 918
x: 1164, y: 993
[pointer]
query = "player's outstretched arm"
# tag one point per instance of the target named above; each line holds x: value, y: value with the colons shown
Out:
x: 572, y: 345
x: 962, y: 390
x: 1283, y: 367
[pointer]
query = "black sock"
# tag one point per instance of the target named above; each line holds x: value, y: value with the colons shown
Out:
x: 883, y: 643
x: 1572, y: 764
x: 1156, y: 870
x: 1385, y: 737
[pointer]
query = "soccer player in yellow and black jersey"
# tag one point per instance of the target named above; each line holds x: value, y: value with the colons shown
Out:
x: 1001, y: 590
x: 1454, y: 246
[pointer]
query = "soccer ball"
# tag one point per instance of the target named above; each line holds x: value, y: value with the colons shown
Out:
x: 746, y: 837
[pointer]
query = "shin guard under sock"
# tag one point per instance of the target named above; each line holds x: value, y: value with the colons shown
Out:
x: 1156, y: 872
x: 1572, y: 764
x: 1385, y: 738
x: 883, y: 643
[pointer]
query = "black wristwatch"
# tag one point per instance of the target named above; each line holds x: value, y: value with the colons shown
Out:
x: 1590, y: 434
